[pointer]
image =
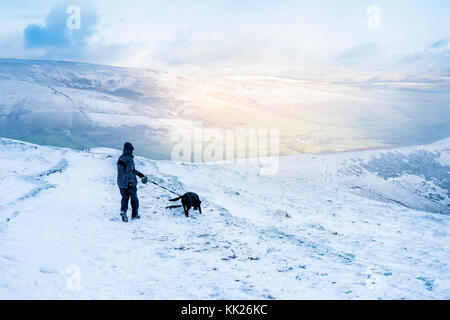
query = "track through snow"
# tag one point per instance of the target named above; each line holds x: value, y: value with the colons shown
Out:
x: 280, y: 237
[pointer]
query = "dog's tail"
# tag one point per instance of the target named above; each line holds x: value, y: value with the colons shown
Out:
x: 176, y: 199
x: 173, y: 207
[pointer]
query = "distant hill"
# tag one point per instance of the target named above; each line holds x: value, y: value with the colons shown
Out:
x: 81, y: 105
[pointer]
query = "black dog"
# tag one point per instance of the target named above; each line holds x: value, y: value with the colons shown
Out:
x: 188, y: 201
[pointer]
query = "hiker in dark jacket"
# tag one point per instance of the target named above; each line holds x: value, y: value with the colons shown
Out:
x: 126, y: 179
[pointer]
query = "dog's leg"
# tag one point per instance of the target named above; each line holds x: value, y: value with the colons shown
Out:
x: 200, y: 209
x: 186, y: 211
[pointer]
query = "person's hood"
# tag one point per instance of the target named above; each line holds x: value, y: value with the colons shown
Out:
x: 128, y: 148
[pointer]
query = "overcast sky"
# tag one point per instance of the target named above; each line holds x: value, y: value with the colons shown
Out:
x: 229, y: 34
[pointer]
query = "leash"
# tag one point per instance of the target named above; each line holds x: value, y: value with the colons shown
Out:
x: 148, y: 180
x: 162, y: 187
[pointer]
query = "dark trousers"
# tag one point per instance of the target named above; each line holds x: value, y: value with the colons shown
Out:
x: 127, y: 193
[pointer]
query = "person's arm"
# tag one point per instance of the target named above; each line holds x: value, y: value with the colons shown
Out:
x: 139, y: 174
x: 143, y: 178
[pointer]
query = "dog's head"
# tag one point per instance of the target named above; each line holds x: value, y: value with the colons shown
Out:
x: 197, y: 205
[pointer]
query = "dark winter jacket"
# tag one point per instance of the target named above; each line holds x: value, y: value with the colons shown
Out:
x: 126, y: 173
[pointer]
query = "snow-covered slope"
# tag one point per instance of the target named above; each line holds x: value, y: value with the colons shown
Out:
x: 299, y: 234
x: 415, y: 177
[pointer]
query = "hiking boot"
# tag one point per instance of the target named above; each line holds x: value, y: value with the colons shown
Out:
x: 124, y: 216
x: 136, y: 217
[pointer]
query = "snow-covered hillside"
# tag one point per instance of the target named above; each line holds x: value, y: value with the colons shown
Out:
x: 303, y: 233
x: 81, y: 105
x: 414, y: 177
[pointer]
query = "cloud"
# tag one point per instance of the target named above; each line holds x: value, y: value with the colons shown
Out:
x: 361, y: 55
x: 431, y: 58
x: 435, y: 57
x: 11, y: 45
x: 202, y: 46
x: 190, y: 35
x: 440, y: 43
x: 54, y: 37
x: 210, y: 50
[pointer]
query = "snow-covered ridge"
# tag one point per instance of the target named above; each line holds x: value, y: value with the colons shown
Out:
x: 415, y: 177
x: 294, y: 235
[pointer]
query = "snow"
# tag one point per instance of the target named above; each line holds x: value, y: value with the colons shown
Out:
x: 302, y: 233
